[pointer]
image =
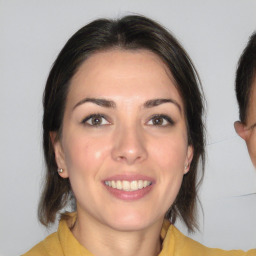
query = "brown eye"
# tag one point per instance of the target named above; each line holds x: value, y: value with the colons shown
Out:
x: 157, y: 121
x: 160, y: 120
x: 95, y: 120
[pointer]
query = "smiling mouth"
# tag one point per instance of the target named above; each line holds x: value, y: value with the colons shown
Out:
x: 126, y: 185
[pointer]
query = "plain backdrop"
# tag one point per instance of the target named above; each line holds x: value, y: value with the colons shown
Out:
x: 214, y: 33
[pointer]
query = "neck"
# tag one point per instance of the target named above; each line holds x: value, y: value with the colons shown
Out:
x: 112, y: 242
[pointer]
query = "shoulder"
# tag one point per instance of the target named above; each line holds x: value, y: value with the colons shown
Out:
x: 50, y: 246
x: 183, y: 245
x: 251, y: 252
x: 58, y: 242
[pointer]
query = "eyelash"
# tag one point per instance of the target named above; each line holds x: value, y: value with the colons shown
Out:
x: 85, y: 121
x: 164, y: 118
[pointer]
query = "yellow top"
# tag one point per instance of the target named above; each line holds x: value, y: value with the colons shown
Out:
x: 63, y: 243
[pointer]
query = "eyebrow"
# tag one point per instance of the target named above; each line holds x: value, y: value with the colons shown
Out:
x: 157, y: 102
x: 111, y: 104
x: 100, y: 102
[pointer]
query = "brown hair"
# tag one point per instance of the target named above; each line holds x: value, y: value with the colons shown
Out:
x: 130, y: 32
x: 245, y: 76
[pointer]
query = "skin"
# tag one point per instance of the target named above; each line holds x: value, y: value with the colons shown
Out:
x: 247, y: 131
x: 129, y: 140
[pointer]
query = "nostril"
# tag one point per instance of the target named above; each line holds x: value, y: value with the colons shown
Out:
x: 129, y: 159
x: 120, y: 157
x: 129, y: 146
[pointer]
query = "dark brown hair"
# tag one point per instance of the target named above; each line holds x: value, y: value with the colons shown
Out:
x: 131, y: 33
x: 245, y: 75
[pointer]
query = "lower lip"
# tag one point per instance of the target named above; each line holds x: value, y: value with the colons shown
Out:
x: 129, y: 195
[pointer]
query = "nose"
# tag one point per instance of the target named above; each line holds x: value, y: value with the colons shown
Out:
x: 129, y: 145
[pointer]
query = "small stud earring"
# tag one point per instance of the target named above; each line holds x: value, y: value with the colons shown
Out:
x: 186, y: 166
x: 60, y: 170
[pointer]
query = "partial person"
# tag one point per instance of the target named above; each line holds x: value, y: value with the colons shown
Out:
x: 123, y: 137
x: 246, y: 97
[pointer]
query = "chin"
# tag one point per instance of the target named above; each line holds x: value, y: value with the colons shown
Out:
x: 132, y: 221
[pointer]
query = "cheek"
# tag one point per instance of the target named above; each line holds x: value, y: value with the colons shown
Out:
x: 85, y: 158
x: 252, y: 145
x: 171, y: 158
x: 84, y: 153
x: 171, y: 152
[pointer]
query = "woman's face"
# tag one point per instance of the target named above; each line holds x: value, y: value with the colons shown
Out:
x: 124, y: 142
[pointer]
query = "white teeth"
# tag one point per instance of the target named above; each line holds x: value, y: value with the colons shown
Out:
x: 128, y: 185
x: 140, y: 184
x: 134, y: 185
x: 113, y: 184
x: 119, y: 184
x: 146, y: 183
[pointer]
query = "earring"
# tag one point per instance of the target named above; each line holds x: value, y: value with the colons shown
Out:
x: 60, y: 170
x: 186, y: 166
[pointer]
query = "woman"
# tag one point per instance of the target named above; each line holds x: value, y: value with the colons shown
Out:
x: 123, y: 135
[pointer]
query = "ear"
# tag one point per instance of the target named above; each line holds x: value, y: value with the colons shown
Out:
x: 189, y: 158
x: 241, y: 130
x: 59, y: 154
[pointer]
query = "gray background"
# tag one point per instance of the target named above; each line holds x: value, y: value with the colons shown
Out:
x: 214, y: 34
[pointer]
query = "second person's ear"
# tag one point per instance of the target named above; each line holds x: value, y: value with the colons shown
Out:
x: 241, y: 130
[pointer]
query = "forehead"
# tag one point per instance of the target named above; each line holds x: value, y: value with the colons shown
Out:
x: 118, y: 62
x: 124, y: 73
